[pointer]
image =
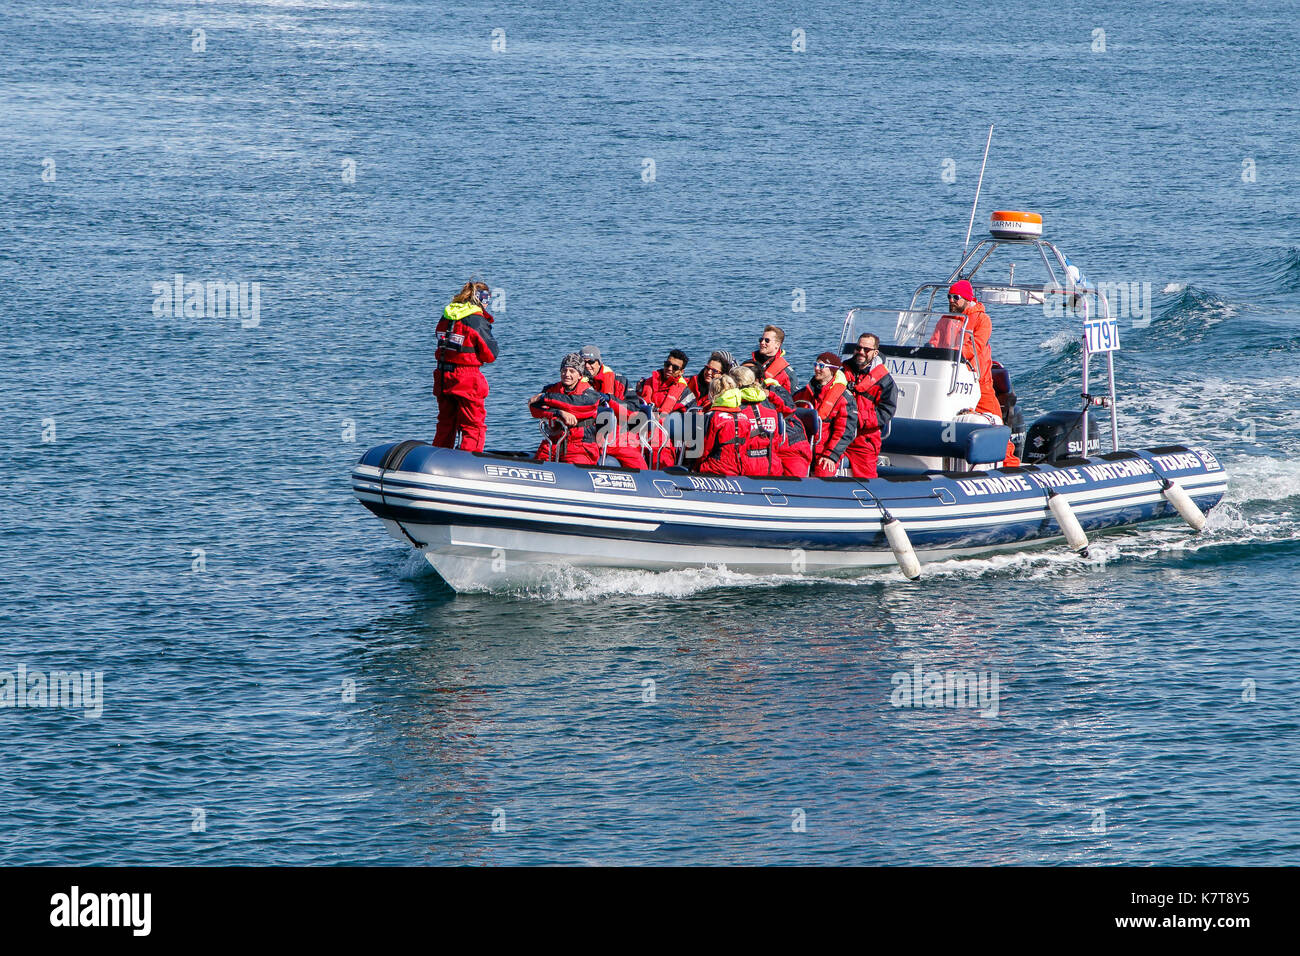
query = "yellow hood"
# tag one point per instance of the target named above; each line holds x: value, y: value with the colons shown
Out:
x: 728, y: 399
x: 456, y: 311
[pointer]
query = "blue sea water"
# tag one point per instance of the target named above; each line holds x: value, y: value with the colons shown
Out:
x: 284, y: 683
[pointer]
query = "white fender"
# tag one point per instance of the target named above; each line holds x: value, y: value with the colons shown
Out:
x: 1064, y: 515
x: 902, y: 548
x: 1184, y: 504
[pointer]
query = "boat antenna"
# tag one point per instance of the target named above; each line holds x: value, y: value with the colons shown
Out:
x: 975, y: 204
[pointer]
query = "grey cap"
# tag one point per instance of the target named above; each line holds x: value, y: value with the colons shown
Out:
x: 590, y: 353
x: 572, y: 360
x: 726, y: 358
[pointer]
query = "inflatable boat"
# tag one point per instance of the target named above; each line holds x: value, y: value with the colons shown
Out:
x: 485, y: 520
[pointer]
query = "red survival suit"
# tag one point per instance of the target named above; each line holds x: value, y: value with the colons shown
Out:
x: 465, y: 344
x: 577, y: 443
x: 727, y: 430
x: 876, y: 396
x: 665, y: 393
x: 775, y: 368
x: 839, y: 421
x: 975, y: 349
x: 796, y: 452
x: 741, y: 437
x: 621, y: 446
x: 760, y: 452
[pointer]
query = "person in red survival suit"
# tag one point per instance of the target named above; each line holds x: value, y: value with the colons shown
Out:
x: 621, y: 445
x: 828, y: 392
x: 877, y: 400
x: 569, y: 406
x: 720, y: 362
x: 465, y: 344
x: 666, y: 391
x: 975, y: 348
x: 796, y: 451
x: 727, y: 429
x: 760, y: 454
x: 770, y: 360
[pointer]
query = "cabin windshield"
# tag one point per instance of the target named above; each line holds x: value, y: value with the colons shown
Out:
x: 906, y: 328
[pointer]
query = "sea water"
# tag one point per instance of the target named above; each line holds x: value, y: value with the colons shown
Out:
x: 282, y: 682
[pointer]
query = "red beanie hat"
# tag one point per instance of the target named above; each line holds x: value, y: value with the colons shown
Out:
x: 831, y: 359
x: 962, y: 288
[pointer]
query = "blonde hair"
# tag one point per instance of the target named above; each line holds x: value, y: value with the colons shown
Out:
x: 721, y: 383
x: 468, y: 289
x: 745, y: 377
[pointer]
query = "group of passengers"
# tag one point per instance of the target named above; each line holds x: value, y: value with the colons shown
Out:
x: 757, y: 419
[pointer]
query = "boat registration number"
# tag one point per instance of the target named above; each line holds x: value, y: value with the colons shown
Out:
x: 1101, y: 335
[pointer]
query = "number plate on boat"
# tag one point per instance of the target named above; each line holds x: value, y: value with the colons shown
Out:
x: 1101, y: 335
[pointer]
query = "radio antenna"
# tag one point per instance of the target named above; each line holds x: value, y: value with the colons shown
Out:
x: 975, y: 204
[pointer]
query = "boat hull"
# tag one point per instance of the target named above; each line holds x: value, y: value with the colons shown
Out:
x: 486, y: 521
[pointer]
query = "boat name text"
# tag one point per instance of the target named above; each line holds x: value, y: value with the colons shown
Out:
x: 908, y: 367
x: 1179, y: 462
x: 724, y: 485
x: 519, y: 474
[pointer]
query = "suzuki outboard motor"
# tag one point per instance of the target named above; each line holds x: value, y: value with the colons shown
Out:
x: 1059, y: 435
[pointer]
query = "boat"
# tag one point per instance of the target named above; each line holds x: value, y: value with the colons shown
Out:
x: 494, y: 519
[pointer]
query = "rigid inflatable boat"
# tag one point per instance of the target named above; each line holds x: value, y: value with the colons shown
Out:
x: 491, y: 519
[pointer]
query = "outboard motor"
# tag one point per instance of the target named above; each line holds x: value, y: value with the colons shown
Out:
x: 1058, y: 435
x: 1011, y: 416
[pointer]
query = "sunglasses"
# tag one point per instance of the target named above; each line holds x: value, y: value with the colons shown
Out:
x: 672, y: 367
x: 864, y: 348
x: 766, y: 341
x: 821, y: 365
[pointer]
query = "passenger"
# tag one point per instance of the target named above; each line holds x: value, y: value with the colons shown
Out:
x: 719, y: 363
x: 465, y: 344
x: 877, y: 400
x: 622, y: 446
x: 569, y: 406
x: 827, y: 393
x: 728, y: 427
x: 796, y: 452
x: 760, y: 455
x: 599, y: 374
x: 771, y: 360
x: 666, y: 391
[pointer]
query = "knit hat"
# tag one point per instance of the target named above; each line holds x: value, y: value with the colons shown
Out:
x: 831, y: 359
x: 572, y: 360
x: 726, y: 358
x: 589, y: 353
x: 962, y: 288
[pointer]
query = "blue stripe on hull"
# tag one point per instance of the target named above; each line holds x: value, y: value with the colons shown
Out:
x: 703, y: 535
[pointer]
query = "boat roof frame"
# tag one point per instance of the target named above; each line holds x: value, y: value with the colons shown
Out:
x: 1074, y: 295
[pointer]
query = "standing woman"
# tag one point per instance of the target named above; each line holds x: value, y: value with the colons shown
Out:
x: 465, y: 344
